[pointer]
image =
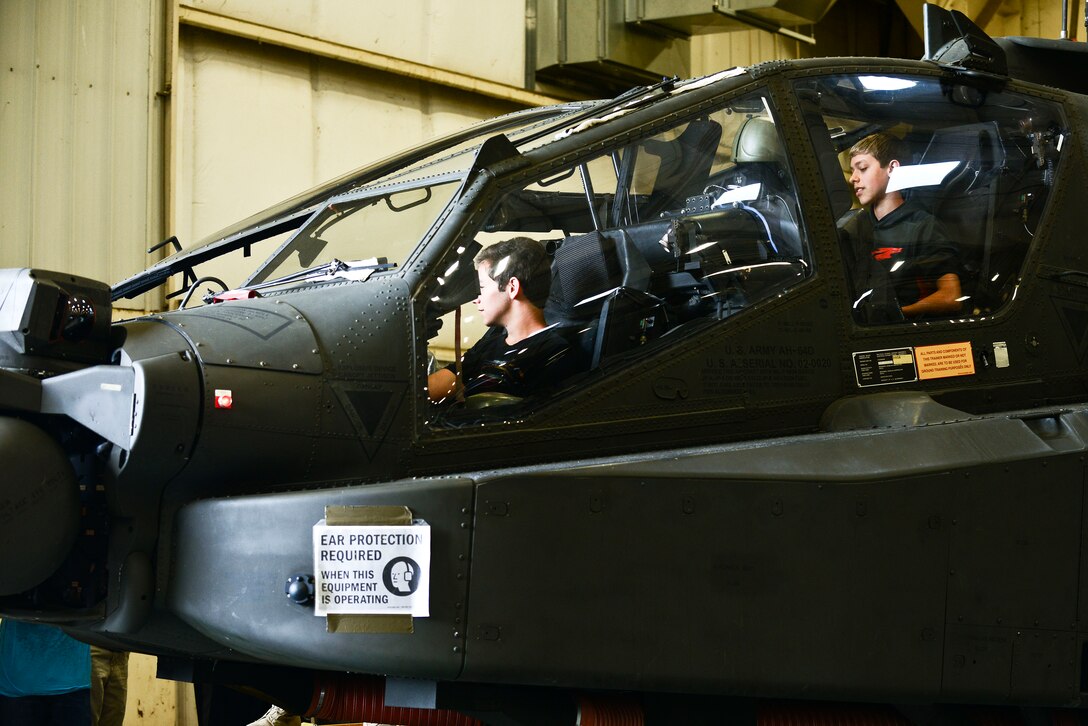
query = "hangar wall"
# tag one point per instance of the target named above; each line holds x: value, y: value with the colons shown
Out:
x: 478, y: 38
x: 258, y: 123
x: 80, y: 134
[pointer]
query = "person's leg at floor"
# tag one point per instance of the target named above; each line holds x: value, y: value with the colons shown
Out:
x: 20, y: 711
x: 109, y: 686
x: 69, y: 709
x: 100, y: 675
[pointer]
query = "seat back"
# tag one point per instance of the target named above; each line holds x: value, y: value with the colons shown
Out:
x: 584, y: 267
x: 965, y: 202
x: 758, y: 154
x: 684, y: 167
x: 760, y: 158
x: 590, y: 272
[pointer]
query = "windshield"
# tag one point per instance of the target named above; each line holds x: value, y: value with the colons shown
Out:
x: 384, y: 227
x: 448, y: 155
x: 276, y: 229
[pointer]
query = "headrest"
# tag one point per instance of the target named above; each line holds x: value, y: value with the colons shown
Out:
x: 584, y: 266
x: 758, y: 140
x: 977, y: 144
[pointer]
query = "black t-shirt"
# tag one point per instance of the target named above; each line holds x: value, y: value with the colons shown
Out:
x: 906, y: 251
x: 519, y: 369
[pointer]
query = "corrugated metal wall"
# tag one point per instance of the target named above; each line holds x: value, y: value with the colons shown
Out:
x: 478, y: 38
x: 710, y: 53
x: 258, y: 123
x: 80, y: 134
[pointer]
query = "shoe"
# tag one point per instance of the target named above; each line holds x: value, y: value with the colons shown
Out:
x: 276, y: 716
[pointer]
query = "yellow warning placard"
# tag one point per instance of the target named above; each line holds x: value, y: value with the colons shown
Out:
x: 944, y: 361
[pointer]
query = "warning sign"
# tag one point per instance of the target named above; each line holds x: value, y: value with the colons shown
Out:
x: 944, y: 361
x: 372, y: 570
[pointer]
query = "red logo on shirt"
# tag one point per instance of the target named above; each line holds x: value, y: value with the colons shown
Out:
x: 886, y: 253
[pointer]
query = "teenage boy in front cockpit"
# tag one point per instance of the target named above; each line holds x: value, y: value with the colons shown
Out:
x: 520, y: 354
x: 898, y: 237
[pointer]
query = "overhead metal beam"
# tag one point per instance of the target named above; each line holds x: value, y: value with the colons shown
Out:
x: 199, y: 18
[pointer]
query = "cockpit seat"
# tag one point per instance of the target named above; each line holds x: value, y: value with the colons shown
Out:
x: 599, y: 289
x: 684, y: 166
x: 583, y: 267
x: 760, y: 159
x: 758, y: 152
x: 629, y: 318
x: 965, y: 203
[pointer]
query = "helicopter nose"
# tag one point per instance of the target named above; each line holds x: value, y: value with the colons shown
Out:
x: 39, y: 506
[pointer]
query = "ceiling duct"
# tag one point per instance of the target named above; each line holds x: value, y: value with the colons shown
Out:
x: 590, y: 46
x: 696, y: 17
x: 602, y: 47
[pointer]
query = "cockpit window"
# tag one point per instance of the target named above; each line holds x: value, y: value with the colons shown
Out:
x: 364, y: 232
x: 645, y: 242
x: 940, y: 186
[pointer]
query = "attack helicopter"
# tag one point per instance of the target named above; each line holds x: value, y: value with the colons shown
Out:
x: 766, y: 484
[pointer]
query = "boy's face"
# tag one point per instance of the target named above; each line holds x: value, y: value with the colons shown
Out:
x: 869, y: 178
x: 493, y: 302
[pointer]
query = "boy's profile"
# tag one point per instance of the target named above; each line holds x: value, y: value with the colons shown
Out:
x: 906, y: 243
x: 520, y: 353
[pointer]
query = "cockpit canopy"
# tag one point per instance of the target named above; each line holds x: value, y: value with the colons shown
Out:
x: 663, y: 227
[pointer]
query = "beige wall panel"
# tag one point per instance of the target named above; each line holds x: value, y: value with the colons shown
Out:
x: 482, y: 38
x: 1076, y: 22
x: 1047, y: 18
x: 1042, y: 20
x: 1033, y: 18
x: 152, y: 701
x: 715, y: 52
x: 258, y: 124
x: 1004, y: 21
x: 245, y: 143
x: 54, y: 186
x: 79, y: 134
x: 846, y: 30
x: 17, y: 82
